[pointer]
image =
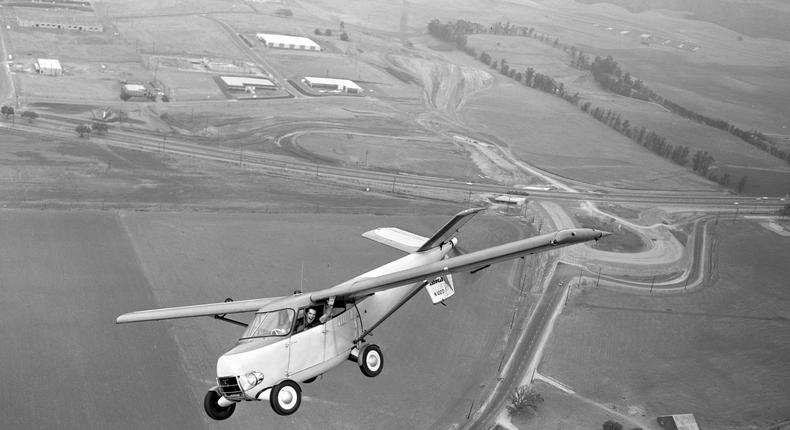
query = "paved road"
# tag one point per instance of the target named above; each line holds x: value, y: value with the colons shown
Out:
x: 526, y: 354
x: 383, y: 181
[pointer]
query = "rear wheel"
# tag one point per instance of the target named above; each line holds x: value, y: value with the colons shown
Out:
x: 371, y: 362
x: 286, y: 397
x: 213, y: 408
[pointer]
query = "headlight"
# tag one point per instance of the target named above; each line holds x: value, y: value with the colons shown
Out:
x: 250, y: 380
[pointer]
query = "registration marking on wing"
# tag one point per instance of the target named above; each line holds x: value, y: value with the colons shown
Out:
x: 440, y: 288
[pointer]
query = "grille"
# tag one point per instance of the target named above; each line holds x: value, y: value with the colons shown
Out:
x: 229, y: 386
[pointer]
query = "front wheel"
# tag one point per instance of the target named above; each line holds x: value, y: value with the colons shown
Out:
x: 286, y: 397
x: 213, y: 408
x: 371, y: 362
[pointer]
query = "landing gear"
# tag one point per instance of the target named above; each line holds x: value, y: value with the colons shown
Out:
x: 286, y: 397
x: 212, y: 403
x: 370, y: 360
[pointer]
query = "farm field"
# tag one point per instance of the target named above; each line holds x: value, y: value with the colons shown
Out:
x: 164, y: 259
x: 766, y: 174
x: 718, y: 353
x: 406, y: 154
x: 179, y: 35
x: 550, y: 133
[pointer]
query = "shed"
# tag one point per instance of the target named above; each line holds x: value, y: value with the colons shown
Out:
x: 47, y: 66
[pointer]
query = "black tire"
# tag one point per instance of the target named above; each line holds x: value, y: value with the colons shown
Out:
x: 286, y: 397
x: 371, y: 361
x: 214, y: 410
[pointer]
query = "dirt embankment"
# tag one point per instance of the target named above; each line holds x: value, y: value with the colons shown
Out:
x: 445, y: 85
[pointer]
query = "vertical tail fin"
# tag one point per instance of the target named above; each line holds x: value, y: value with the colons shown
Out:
x: 446, y: 233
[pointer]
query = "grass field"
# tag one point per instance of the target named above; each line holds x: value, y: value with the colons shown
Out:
x: 71, y: 273
x: 247, y: 255
x: 179, y: 35
x: 548, y: 132
x: 718, y: 353
x: 404, y: 154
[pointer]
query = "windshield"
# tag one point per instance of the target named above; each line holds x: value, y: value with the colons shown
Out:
x: 275, y: 323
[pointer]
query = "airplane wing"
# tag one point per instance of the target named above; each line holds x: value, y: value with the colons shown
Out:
x: 209, y: 309
x: 359, y: 287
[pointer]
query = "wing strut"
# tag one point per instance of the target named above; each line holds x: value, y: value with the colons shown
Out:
x: 403, y: 301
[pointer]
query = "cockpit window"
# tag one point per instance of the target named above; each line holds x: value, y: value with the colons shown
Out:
x: 275, y: 323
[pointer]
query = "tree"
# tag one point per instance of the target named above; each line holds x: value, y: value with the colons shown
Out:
x: 524, y: 401
x: 318, y: 32
x: 83, y: 129
x: 30, y: 115
x: 99, y: 127
x: 7, y: 111
x: 344, y: 36
x: 741, y: 184
x: 327, y: 32
x: 612, y: 425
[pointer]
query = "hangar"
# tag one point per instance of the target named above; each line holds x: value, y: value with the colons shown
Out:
x: 288, y: 42
x: 249, y: 84
x: 329, y: 84
x: 48, y: 66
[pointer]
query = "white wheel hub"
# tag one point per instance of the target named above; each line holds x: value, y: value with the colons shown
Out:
x: 373, y: 360
x: 287, y: 397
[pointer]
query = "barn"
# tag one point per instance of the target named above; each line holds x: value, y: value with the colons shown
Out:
x: 248, y: 84
x: 329, y: 84
x: 47, y: 66
x: 288, y: 42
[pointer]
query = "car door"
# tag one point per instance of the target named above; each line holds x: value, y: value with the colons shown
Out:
x: 341, y: 330
x: 306, y: 348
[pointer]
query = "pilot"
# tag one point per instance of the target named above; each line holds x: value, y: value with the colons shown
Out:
x: 310, y: 320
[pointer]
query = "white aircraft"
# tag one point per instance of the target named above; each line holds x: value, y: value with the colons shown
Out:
x: 294, y: 339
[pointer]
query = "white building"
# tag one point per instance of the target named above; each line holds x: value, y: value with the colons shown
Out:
x: 288, y: 42
x: 249, y: 84
x: 47, y: 66
x: 329, y: 84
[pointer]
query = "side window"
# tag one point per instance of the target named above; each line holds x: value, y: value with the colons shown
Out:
x: 299, y: 321
x: 340, y: 307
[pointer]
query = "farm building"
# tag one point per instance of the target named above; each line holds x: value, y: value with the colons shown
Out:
x: 248, y: 84
x: 134, y: 89
x: 678, y: 422
x: 288, y: 42
x: 47, y: 66
x: 329, y: 84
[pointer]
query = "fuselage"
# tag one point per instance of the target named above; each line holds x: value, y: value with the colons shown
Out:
x: 274, y: 349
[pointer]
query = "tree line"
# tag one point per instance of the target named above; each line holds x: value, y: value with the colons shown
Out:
x: 608, y: 73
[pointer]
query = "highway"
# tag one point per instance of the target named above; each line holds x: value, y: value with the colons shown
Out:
x: 283, y: 165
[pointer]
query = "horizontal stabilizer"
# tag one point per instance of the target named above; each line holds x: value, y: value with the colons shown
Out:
x: 446, y: 233
x: 396, y: 238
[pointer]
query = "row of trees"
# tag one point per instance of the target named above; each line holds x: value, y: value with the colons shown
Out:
x: 328, y: 32
x: 605, y: 70
x: 9, y: 111
x: 96, y: 127
x: 608, y: 74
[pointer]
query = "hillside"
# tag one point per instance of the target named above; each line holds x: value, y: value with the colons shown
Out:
x: 755, y: 18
